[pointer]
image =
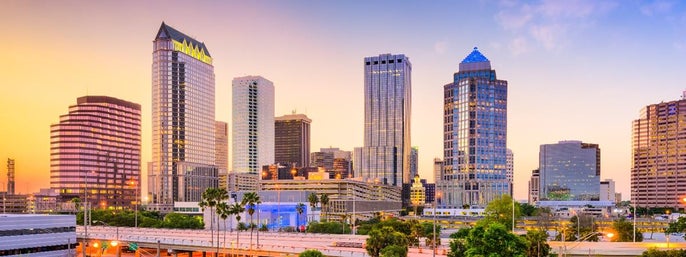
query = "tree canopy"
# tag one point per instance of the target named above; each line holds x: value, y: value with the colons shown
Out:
x: 500, y: 210
x: 311, y: 253
x: 386, y: 236
x: 624, y: 231
x: 487, y: 240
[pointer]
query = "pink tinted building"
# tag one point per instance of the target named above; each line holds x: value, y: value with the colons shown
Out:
x: 95, y: 152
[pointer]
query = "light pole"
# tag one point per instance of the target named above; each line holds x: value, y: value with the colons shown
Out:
x: 115, y: 242
x: 513, y: 213
x: 437, y: 197
x: 353, y: 218
x: 578, y: 242
x: 86, y: 208
x: 135, y: 185
x: 634, y: 236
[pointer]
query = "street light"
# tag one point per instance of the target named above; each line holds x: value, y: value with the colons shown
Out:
x: 437, y: 197
x: 86, y: 209
x: 113, y: 243
x: 578, y: 242
x: 634, y: 235
x: 132, y: 183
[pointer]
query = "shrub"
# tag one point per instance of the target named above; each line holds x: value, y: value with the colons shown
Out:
x: 311, y: 253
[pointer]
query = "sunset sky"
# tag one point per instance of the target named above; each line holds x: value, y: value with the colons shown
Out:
x: 577, y: 70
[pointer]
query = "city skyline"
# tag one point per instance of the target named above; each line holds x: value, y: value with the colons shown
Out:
x: 578, y: 69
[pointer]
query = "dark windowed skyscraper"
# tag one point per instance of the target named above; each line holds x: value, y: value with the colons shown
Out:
x: 183, y: 145
x: 475, y: 133
x: 385, y: 156
x: 292, y: 140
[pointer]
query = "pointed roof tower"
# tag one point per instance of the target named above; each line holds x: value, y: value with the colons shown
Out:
x: 167, y: 32
x: 475, y: 61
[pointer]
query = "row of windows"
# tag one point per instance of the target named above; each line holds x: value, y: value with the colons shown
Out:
x: 28, y: 251
x: 32, y: 231
x: 384, y: 62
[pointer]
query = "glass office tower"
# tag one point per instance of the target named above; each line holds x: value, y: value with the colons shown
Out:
x: 569, y: 170
x: 385, y: 157
x: 183, y: 146
x: 475, y: 135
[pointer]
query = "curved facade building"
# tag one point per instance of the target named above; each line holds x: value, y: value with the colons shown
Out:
x: 95, y: 152
x: 658, y: 156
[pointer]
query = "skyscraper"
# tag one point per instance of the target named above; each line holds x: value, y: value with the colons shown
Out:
x: 438, y: 169
x: 385, y: 156
x: 569, y: 170
x: 183, y: 144
x: 252, y: 128
x: 475, y: 135
x: 221, y: 139
x: 534, y: 186
x: 96, y: 147
x: 659, y: 156
x: 10, y: 176
x: 509, y: 168
x: 414, y: 162
x: 292, y: 140
x: 221, y: 145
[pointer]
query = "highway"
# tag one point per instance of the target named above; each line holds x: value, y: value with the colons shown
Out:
x: 182, y: 242
x: 271, y: 243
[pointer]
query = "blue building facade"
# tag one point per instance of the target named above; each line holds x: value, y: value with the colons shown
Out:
x: 569, y: 170
x: 475, y: 136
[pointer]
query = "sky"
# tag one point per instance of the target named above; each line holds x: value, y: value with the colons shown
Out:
x: 576, y: 69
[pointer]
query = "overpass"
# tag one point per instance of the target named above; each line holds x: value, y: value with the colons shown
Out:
x: 181, y: 241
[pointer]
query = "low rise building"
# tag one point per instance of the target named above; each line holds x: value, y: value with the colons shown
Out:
x: 346, y: 196
x: 12, y: 203
x: 37, y: 235
x: 568, y: 209
x: 417, y: 193
x: 243, y: 181
x: 44, y: 201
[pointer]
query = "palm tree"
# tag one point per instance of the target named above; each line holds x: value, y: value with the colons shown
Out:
x: 299, y: 208
x: 223, y: 212
x: 313, y: 199
x: 221, y: 196
x: 209, y: 200
x: 77, y: 203
x: 251, y: 200
x: 325, y: 205
x: 237, y: 209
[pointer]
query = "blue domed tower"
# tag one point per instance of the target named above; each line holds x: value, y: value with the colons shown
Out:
x: 475, y: 136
